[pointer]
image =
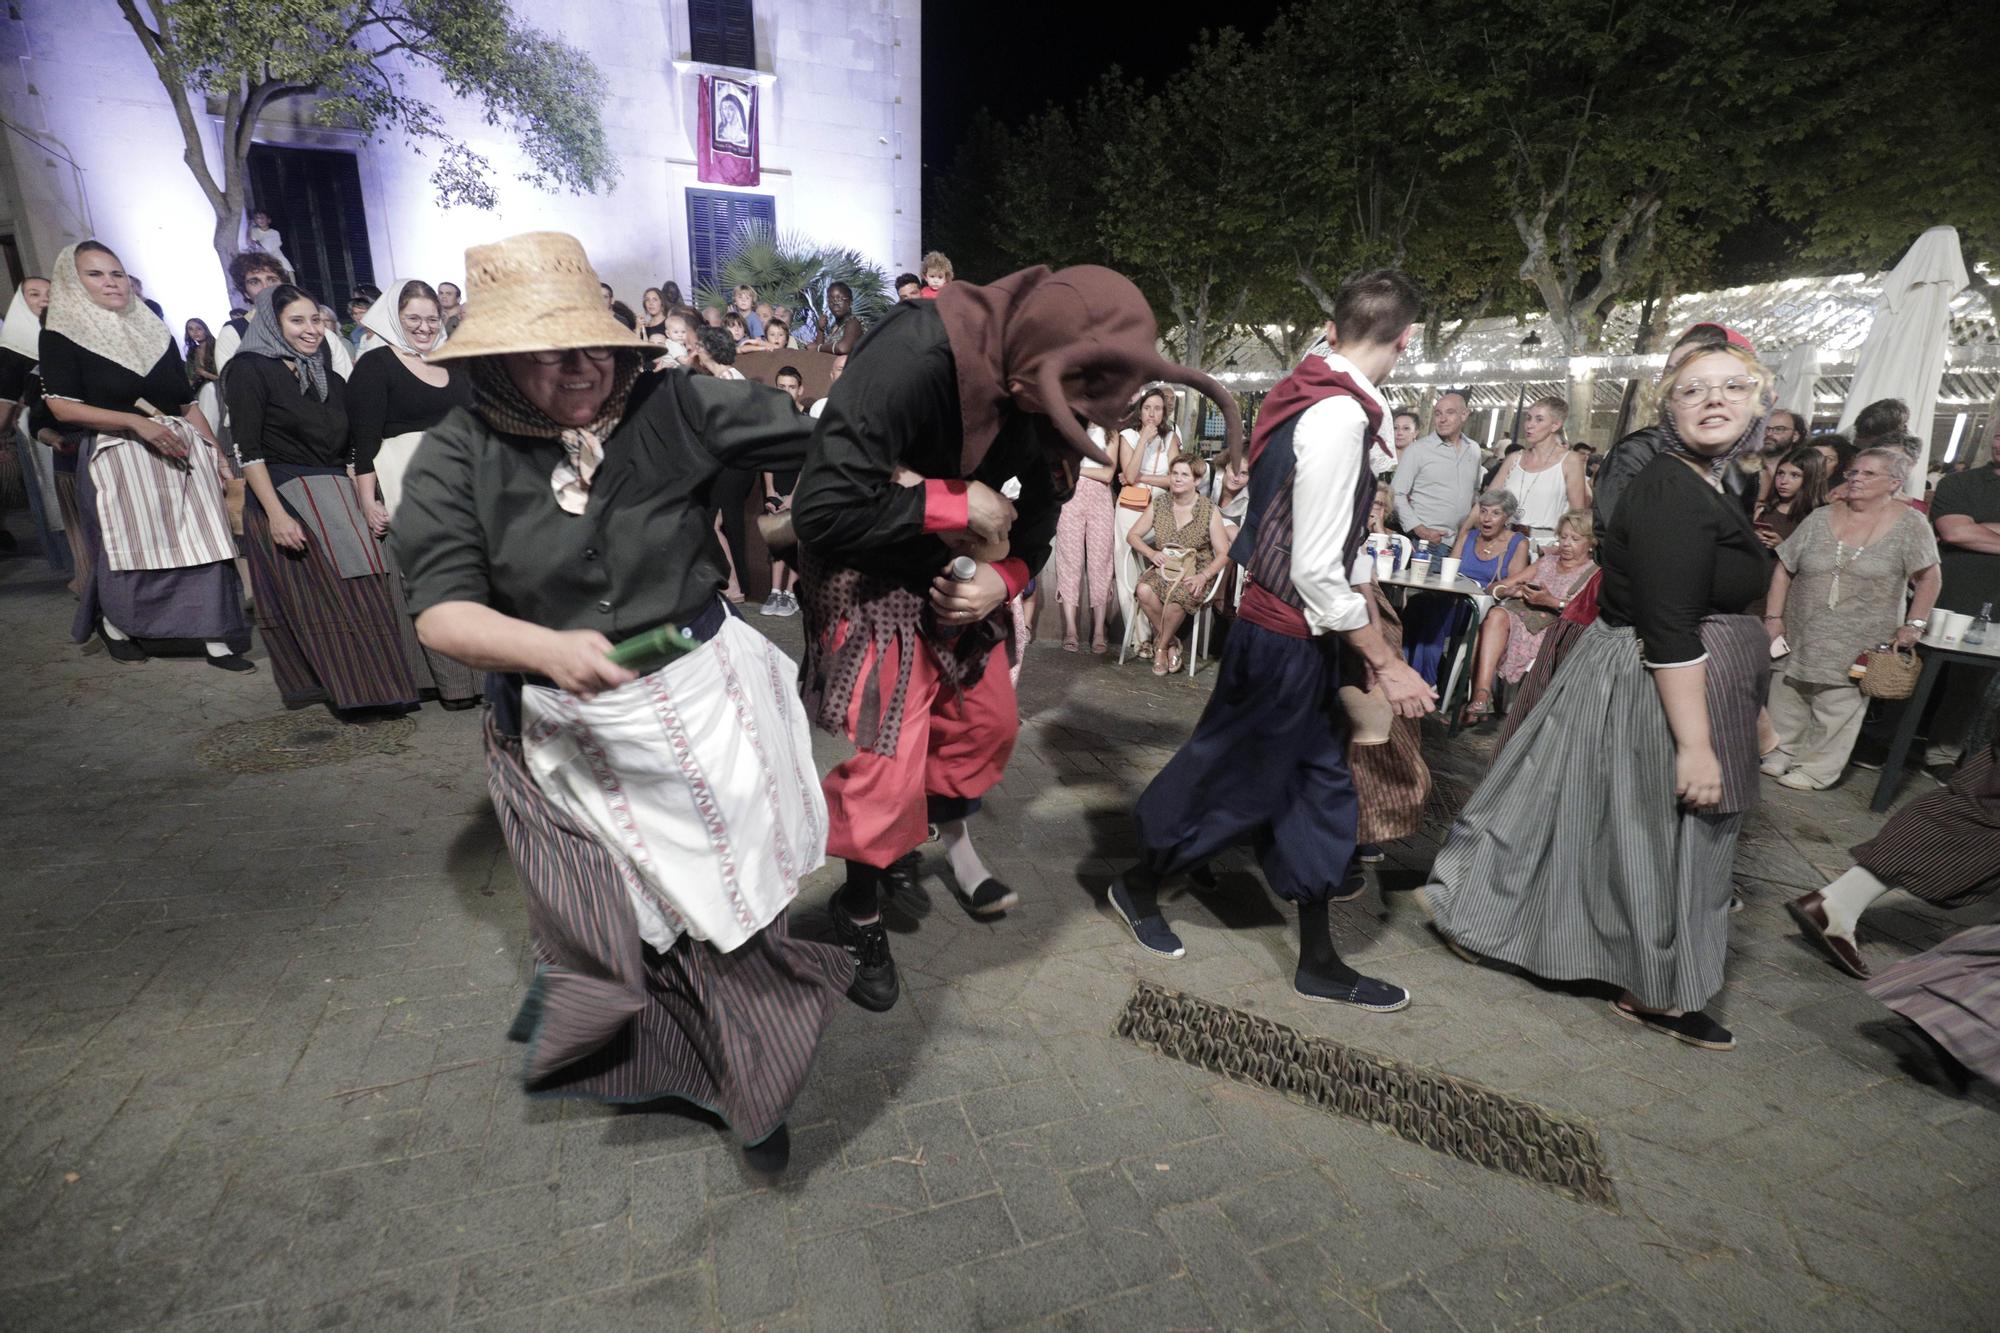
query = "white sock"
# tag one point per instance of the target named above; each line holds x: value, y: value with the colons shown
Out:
x: 111, y: 631
x: 966, y: 866
x: 217, y: 648
x: 1847, y: 898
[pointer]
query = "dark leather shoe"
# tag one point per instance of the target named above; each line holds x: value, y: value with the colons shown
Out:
x: 1809, y: 910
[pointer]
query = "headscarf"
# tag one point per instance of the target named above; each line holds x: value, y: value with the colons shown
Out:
x: 504, y: 407
x: 22, y: 333
x: 134, y: 337
x: 1747, y: 445
x: 1035, y: 328
x: 385, y: 320
x: 266, y: 339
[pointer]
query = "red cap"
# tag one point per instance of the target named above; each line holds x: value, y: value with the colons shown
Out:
x: 1731, y: 336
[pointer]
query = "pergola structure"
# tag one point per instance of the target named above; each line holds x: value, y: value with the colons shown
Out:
x: 1503, y: 361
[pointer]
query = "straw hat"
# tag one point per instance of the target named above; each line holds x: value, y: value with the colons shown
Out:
x: 535, y: 292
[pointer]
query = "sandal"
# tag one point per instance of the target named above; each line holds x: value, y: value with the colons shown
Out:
x: 1069, y: 643
x: 1174, y: 657
x: 1100, y: 646
x: 1478, y: 710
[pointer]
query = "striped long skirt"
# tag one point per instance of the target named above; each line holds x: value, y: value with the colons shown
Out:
x: 1944, y: 847
x: 332, y: 640
x: 451, y: 679
x: 1953, y: 993
x: 1391, y: 780
x: 610, y: 1018
x: 1575, y: 860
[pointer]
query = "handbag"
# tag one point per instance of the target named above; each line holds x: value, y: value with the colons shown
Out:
x: 1891, y: 674
x: 1135, y: 497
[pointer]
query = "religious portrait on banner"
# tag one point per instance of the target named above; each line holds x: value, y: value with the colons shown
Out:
x: 727, y: 140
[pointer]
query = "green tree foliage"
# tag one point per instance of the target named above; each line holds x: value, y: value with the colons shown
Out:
x: 351, y: 60
x: 1508, y: 154
x: 1919, y: 149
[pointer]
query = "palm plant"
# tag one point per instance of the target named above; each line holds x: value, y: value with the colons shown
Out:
x: 789, y: 269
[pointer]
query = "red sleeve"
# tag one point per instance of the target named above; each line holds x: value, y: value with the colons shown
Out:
x: 945, y: 506
x: 1013, y: 572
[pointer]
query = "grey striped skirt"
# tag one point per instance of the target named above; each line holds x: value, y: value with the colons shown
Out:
x: 611, y: 1019
x: 1575, y: 860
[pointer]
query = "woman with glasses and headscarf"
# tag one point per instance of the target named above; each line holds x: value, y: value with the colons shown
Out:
x: 149, y: 479
x: 661, y: 811
x: 1840, y: 590
x: 324, y: 603
x: 396, y: 395
x: 1601, y: 843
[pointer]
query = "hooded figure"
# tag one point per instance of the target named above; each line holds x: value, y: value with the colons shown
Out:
x: 954, y: 431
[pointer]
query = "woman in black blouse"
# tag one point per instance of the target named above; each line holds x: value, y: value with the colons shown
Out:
x: 113, y: 376
x: 199, y: 352
x: 1600, y: 843
x: 661, y: 813
x: 395, y: 396
x: 324, y: 603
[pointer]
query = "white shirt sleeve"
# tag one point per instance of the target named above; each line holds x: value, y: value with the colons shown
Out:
x: 227, y: 340
x: 1329, y: 447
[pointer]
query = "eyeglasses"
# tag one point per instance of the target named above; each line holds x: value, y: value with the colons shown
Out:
x: 1734, y: 390
x: 558, y: 357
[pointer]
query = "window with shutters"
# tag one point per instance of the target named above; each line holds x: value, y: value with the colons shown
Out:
x: 714, y: 218
x: 721, y: 32
x: 314, y: 198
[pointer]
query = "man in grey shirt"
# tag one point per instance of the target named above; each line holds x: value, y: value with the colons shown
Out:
x: 1438, y: 475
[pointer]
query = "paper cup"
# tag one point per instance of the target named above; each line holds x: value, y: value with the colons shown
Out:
x: 1385, y: 564
x: 1448, y: 569
x: 1950, y: 626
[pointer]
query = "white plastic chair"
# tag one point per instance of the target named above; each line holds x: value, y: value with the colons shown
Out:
x: 1199, y: 623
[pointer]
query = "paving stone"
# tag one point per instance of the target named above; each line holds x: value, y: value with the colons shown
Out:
x: 942, y: 1237
x: 288, y: 1101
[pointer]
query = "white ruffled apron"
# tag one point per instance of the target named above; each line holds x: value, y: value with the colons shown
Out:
x: 699, y: 776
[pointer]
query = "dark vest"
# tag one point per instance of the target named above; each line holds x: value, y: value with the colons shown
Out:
x: 1263, y: 545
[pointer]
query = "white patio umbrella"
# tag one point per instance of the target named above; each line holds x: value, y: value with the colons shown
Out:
x: 1798, y: 372
x: 1903, y: 356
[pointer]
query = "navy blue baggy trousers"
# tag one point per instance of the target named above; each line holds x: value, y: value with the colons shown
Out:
x: 1267, y: 765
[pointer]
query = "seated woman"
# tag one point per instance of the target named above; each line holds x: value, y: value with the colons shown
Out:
x: 661, y: 815
x: 1488, y: 549
x: 1798, y: 486
x: 1512, y: 632
x: 1181, y: 540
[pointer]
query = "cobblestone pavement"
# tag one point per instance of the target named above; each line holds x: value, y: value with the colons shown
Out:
x: 255, y: 1078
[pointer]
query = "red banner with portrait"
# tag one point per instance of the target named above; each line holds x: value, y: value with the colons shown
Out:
x: 726, y: 141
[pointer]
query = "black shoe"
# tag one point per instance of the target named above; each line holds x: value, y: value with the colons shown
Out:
x: 457, y: 705
x: 1203, y: 876
x: 121, y: 650
x: 1695, y: 1029
x: 771, y: 1154
x: 991, y: 898
x: 900, y: 879
x: 1368, y: 853
x: 1378, y: 997
x: 233, y: 662
x: 875, y: 986
x: 1151, y: 931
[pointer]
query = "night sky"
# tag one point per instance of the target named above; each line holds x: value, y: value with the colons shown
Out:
x: 1014, y: 58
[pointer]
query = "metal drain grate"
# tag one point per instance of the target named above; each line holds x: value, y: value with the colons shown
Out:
x: 1445, y: 1114
x: 305, y: 739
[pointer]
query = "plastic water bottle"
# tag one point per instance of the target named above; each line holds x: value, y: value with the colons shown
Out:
x: 962, y: 569
x: 1979, y: 632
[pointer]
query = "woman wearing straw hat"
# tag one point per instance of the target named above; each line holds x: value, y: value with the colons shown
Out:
x: 948, y: 407
x: 660, y: 821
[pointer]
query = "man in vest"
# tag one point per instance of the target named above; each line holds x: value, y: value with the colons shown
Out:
x: 1267, y: 763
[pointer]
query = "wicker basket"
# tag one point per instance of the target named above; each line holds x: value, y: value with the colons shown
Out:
x: 1891, y: 675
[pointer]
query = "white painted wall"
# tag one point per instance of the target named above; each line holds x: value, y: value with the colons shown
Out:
x: 839, y: 122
